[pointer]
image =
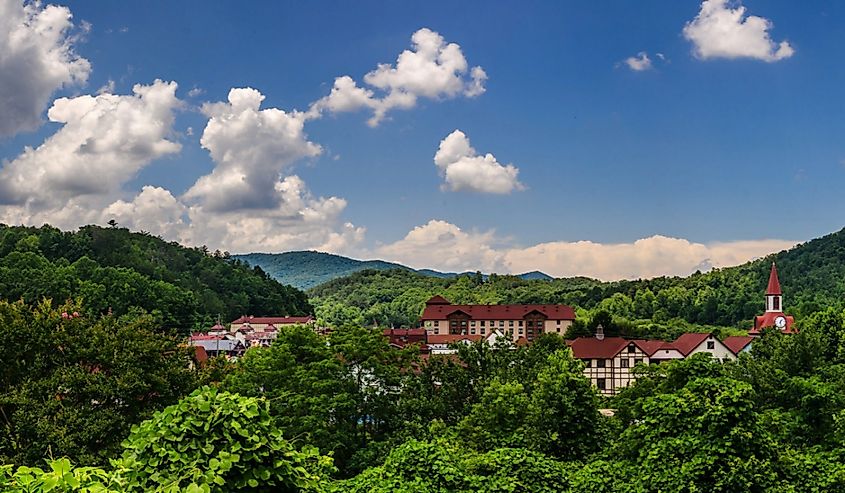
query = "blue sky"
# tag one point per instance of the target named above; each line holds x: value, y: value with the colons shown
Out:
x: 721, y: 150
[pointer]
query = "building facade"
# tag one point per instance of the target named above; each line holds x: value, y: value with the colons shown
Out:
x: 528, y: 322
x: 773, y: 316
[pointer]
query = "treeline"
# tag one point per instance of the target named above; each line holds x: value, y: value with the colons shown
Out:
x: 112, y: 269
x: 812, y: 276
x: 348, y: 413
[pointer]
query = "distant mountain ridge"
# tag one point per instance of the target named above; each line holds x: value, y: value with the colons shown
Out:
x: 307, y: 269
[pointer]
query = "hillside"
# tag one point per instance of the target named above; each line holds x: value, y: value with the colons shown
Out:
x: 305, y: 270
x: 812, y: 276
x: 113, y: 269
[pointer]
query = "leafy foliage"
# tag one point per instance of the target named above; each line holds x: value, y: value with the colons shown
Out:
x: 114, y: 270
x: 73, y: 383
x: 219, y: 442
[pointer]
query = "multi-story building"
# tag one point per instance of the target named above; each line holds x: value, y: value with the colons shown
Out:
x: 260, y: 324
x: 527, y: 322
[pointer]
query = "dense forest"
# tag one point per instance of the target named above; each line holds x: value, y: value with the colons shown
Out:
x: 112, y: 269
x: 812, y: 276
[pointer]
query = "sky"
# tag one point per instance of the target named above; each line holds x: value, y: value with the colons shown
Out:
x: 620, y: 140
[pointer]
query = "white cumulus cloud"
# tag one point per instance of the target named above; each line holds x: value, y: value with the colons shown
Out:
x: 432, y: 69
x: 463, y: 169
x: 37, y: 58
x: 719, y: 31
x: 444, y: 246
x: 104, y: 142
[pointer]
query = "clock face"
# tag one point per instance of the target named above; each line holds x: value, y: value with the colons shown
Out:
x: 780, y: 322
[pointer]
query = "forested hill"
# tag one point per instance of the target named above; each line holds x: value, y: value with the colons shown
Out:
x: 812, y: 276
x: 112, y: 268
x: 305, y: 270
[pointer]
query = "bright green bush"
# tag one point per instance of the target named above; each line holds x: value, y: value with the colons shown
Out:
x: 216, y: 441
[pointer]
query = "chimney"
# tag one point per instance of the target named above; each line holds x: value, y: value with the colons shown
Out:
x: 600, y: 332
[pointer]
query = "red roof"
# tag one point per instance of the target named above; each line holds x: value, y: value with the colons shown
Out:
x: 437, y: 300
x: 204, y: 337
x: 768, y: 320
x: 498, y: 312
x: 689, y: 341
x: 274, y: 320
x: 404, y: 332
x: 450, y: 338
x: 651, y: 347
x: 737, y: 343
x: 592, y: 348
x: 774, y: 284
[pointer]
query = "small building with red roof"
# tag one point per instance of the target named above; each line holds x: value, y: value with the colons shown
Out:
x: 738, y: 344
x: 260, y: 324
x: 773, y: 316
x: 608, y: 360
x: 441, y: 317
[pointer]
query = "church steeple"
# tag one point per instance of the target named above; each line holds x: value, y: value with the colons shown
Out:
x: 774, y: 297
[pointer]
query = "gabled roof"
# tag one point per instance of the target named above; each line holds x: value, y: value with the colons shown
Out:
x: 592, y: 348
x: 737, y: 343
x: 774, y: 284
x: 651, y: 347
x: 498, y: 312
x: 689, y: 341
x: 437, y: 300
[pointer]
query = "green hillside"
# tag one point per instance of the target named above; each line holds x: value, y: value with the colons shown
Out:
x: 113, y: 269
x: 812, y: 276
x: 305, y: 270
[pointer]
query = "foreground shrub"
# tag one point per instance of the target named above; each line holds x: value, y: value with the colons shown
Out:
x: 216, y: 441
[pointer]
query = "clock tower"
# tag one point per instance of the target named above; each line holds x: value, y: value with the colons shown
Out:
x: 773, y: 316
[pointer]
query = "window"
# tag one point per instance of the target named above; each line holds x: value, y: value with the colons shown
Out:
x: 437, y: 323
x: 472, y: 323
x: 483, y: 322
x: 776, y: 303
x: 631, y: 348
x: 558, y: 322
x: 600, y: 383
x: 558, y: 329
x: 483, y: 330
x: 463, y: 323
x: 624, y: 362
x: 510, y: 323
x: 520, y: 330
x: 472, y: 330
x: 599, y: 363
x: 711, y: 344
x: 501, y: 323
x: 520, y: 323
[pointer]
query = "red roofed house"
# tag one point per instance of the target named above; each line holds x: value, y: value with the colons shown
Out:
x: 260, y: 324
x: 774, y: 316
x: 440, y: 317
x: 693, y: 343
x: 608, y: 360
x: 738, y: 344
x: 403, y: 337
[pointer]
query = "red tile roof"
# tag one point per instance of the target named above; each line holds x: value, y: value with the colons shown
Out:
x: 438, y: 300
x: 274, y: 320
x: 592, y: 348
x: 651, y: 347
x: 774, y: 284
x: 498, y: 312
x: 689, y: 341
x: 737, y: 343
x: 450, y: 338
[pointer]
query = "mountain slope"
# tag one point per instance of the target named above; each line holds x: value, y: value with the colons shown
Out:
x: 305, y: 270
x: 114, y: 270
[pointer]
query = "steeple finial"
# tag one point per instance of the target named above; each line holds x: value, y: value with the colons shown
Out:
x: 774, y: 283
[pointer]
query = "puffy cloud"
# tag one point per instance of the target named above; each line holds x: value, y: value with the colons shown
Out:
x: 433, y: 69
x: 248, y: 202
x: 719, y: 31
x: 37, y: 58
x: 639, y: 63
x: 250, y: 148
x: 463, y: 169
x: 444, y: 246
x: 104, y: 142
x: 298, y: 221
x: 154, y: 210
